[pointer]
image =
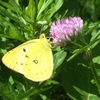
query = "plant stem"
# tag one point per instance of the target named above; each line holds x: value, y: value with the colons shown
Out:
x: 93, y: 68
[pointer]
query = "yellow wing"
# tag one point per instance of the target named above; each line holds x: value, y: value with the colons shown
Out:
x: 33, y: 59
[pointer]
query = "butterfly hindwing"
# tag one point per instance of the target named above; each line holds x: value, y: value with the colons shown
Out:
x: 39, y: 64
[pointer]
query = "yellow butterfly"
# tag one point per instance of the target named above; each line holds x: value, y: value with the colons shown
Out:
x: 33, y: 59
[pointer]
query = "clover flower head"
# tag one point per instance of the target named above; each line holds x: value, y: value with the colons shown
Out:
x: 63, y: 29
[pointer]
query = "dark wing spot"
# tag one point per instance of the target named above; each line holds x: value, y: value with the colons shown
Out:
x: 36, y: 73
x: 26, y: 56
x: 28, y: 69
x: 16, y: 62
x: 45, y: 70
x: 21, y: 63
x: 26, y: 64
x: 24, y: 49
x: 35, y: 61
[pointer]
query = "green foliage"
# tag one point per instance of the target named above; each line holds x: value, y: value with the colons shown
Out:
x: 76, y: 73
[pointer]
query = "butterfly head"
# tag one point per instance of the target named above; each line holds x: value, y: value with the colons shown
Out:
x: 42, y: 36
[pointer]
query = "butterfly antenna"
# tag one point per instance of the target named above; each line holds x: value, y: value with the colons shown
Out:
x: 42, y: 23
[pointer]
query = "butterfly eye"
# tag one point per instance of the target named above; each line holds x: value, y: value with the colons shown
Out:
x: 35, y: 61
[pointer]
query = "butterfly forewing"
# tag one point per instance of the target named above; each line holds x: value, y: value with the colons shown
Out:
x: 15, y: 58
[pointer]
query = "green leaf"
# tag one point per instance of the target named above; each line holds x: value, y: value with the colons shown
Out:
x: 7, y: 5
x: 91, y: 29
x: 11, y: 30
x: 48, y: 9
x: 44, y: 6
x: 76, y: 79
x: 40, y: 4
x: 77, y: 52
x: 59, y: 58
x: 7, y: 91
x: 15, y: 18
x: 16, y: 6
x: 54, y: 8
x: 93, y: 97
x: 96, y: 59
x: 32, y: 9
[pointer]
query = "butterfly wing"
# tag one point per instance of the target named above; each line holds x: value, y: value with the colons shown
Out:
x: 38, y: 64
x: 15, y: 58
x: 33, y: 59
